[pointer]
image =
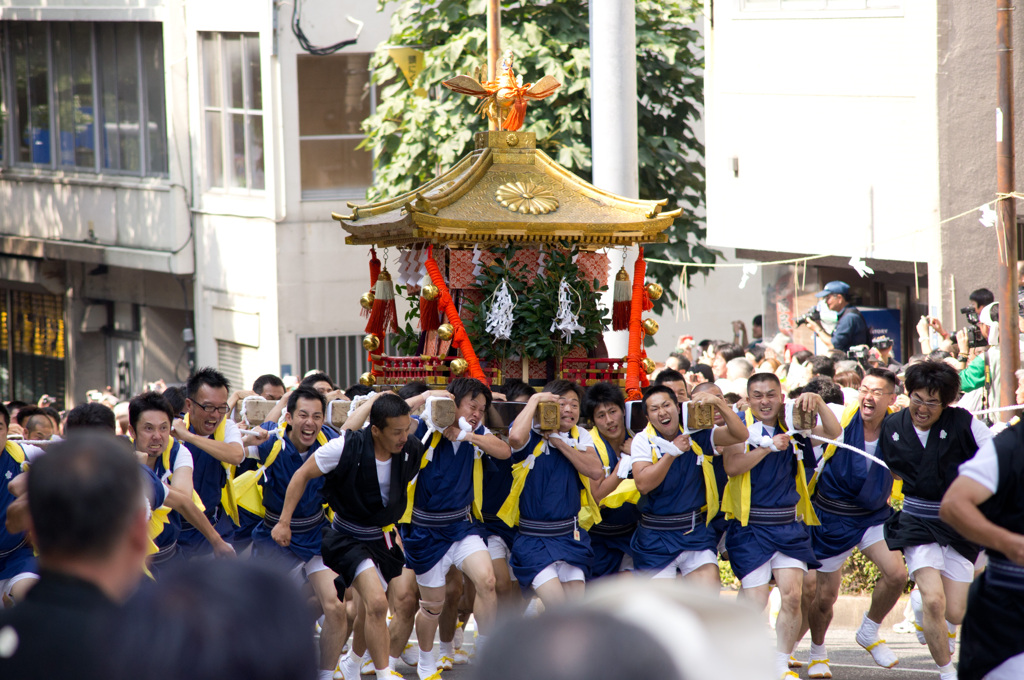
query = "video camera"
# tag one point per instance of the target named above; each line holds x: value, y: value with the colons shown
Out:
x: 811, y: 314
x: 975, y: 338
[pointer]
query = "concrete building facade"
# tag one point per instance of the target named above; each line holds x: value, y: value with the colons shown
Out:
x: 857, y: 128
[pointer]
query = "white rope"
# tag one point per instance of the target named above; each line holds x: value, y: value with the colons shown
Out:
x: 1000, y: 409
x: 844, y: 445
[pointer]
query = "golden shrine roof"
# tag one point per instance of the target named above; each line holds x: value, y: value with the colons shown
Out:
x: 507, y: 190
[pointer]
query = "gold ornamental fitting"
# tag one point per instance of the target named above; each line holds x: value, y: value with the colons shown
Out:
x: 623, y: 275
x: 384, y: 276
x: 430, y: 292
x: 368, y: 379
x: 446, y: 331
x: 654, y: 291
x: 648, y: 365
x: 459, y: 366
x: 650, y: 326
x: 366, y: 300
x: 371, y: 342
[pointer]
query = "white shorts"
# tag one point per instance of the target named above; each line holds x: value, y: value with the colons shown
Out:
x: 871, y: 536
x: 8, y: 583
x: 499, y: 550
x: 1011, y: 669
x: 763, y: 574
x: 561, y: 570
x: 686, y: 562
x: 302, y: 570
x: 368, y: 564
x: 456, y: 555
x: 943, y: 559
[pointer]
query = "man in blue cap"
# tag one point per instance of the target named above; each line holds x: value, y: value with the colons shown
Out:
x: 850, y: 330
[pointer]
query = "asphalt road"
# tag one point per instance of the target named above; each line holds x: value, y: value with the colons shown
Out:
x: 848, y: 660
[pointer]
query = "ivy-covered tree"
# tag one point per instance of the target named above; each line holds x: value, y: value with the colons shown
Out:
x: 414, y: 137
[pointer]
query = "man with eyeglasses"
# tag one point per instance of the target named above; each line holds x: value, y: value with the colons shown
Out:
x: 850, y: 494
x: 850, y: 330
x: 924, y: 446
x: 215, y: 444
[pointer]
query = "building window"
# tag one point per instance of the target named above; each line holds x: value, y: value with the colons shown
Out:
x: 335, y: 97
x: 239, y: 364
x: 32, y: 335
x: 233, y: 111
x: 340, y: 356
x: 83, y: 96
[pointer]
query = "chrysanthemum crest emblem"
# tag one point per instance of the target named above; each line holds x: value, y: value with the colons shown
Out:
x: 526, y: 197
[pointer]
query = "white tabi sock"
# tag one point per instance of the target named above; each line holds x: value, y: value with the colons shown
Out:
x: 427, y: 665
x: 448, y: 649
x: 781, y: 663
x: 818, y: 652
x: 383, y: 674
x: 392, y: 661
x: 947, y: 672
x: 868, y: 630
x: 478, y: 644
x: 350, y: 664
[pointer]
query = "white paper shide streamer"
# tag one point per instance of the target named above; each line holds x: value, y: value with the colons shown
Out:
x: 499, y: 314
x: 565, y: 321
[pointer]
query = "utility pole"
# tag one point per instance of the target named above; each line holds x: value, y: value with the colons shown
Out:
x: 613, y: 115
x: 1009, y: 349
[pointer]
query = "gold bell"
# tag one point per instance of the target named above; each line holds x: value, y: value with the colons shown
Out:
x: 371, y: 342
x: 430, y: 292
x: 650, y: 326
x: 648, y: 364
x: 368, y: 379
x: 459, y: 366
x: 654, y: 291
x: 446, y: 331
x: 366, y: 300
x: 623, y: 275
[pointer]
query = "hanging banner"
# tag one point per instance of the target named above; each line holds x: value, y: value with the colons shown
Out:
x: 410, y: 61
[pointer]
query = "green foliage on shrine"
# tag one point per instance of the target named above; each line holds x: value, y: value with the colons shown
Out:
x: 414, y: 137
x: 536, y: 305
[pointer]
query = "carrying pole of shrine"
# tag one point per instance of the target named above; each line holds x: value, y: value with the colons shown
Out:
x: 613, y: 115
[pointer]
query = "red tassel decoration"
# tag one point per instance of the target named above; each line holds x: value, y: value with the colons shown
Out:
x: 621, y: 294
x: 429, y: 318
x: 383, y: 316
x: 367, y: 300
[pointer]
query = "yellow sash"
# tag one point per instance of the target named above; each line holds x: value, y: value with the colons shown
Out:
x: 736, y: 499
x: 227, y: 494
x: 166, y: 456
x: 712, y: 503
x: 478, y: 481
x: 248, y: 491
x: 15, y: 452
x: 626, y: 491
x: 590, y: 513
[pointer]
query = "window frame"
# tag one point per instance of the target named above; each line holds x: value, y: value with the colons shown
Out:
x: 309, y: 195
x: 226, y: 112
x: 10, y: 159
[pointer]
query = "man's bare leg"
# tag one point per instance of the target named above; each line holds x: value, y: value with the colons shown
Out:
x: 790, y: 583
x: 403, y: 594
x: 431, y: 604
x: 933, y: 601
x: 375, y: 605
x: 705, y: 576
x: 334, y: 631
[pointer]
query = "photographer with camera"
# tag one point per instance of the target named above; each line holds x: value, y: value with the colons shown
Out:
x: 979, y: 299
x: 979, y: 380
x: 850, y: 329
